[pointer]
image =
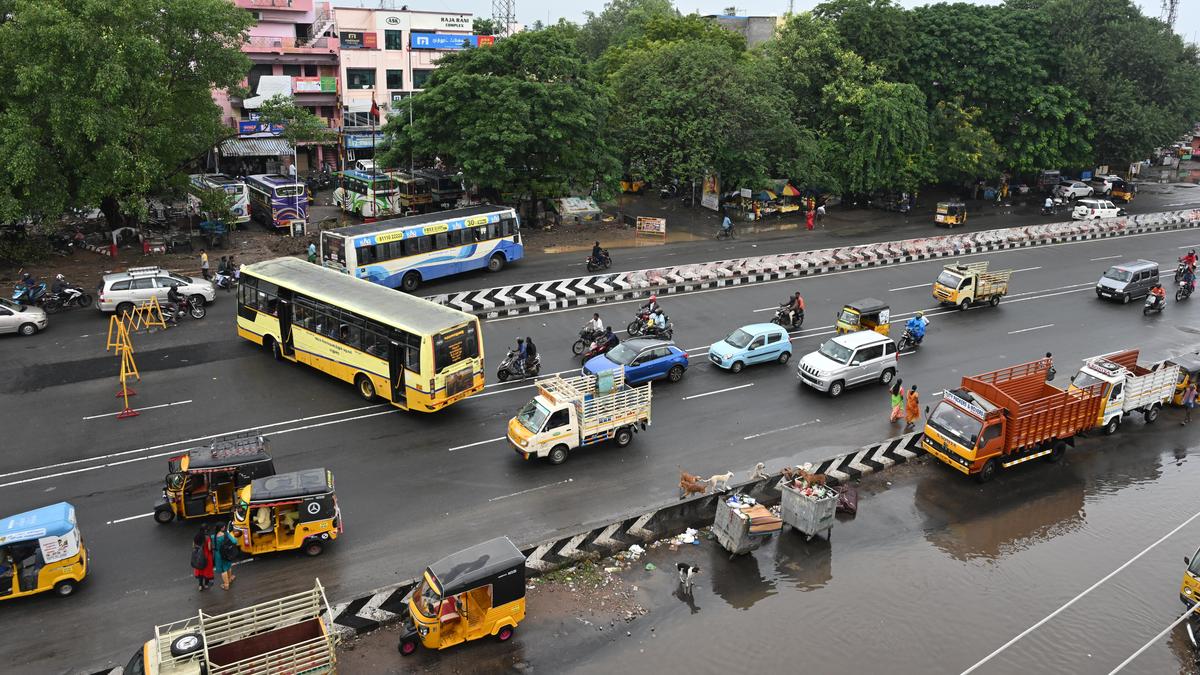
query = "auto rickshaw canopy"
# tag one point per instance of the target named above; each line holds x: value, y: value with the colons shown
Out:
x: 228, y: 454
x: 480, y: 564
x: 951, y: 208
x: 291, y: 486
x: 1190, y: 364
x: 55, y: 520
x: 867, y: 306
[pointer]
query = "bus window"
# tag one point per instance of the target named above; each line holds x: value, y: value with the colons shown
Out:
x: 441, y: 241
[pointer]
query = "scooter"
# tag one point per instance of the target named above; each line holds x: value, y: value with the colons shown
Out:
x: 173, y: 312
x: 508, y: 367
x: 1184, y: 292
x: 605, y: 261
x: 23, y: 295
x: 225, y: 281
x: 67, y: 300
x: 1153, y: 304
x: 782, y: 318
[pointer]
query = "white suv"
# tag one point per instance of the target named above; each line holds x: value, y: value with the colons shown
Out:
x: 1095, y: 209
x: 1102, y: 184
x: 121, y: 291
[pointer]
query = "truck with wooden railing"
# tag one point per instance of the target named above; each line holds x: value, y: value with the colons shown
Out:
x: 1007, y: 417
x: 965, y: 284
x: 286, y: 635
x: 569, y: 413
x: 1127, y: 386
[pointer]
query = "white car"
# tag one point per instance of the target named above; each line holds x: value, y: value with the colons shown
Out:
x: 122, y: 291
x: 1102, y: 184
x: 1073, y: 189
x: 20, y: 319
x: 1095, y: 209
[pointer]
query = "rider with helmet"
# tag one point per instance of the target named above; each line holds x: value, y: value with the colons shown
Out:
x: 795, y: 308
x: 916, y: 327
x: 62, y: 288
x: 651, y: 304
x: 1189, y: 259
x: 658, y: 322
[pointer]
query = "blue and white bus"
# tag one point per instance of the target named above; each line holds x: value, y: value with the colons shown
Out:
x: 403, y: 252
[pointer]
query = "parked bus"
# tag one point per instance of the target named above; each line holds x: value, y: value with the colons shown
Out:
x: 199, y: 182
x: 415, y: 193
x: 446, y: 189
x: 276, y: 201
x: 403, y: 252
x: 416, y: 354
x: 368, y: 194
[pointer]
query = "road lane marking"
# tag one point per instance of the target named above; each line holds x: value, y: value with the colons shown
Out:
x: 1087, y: 590
x: 125, y: 520
x: 1188, y: 246
x: 1027, y: 269
x: 766, y: 309
x: 719, y: 391
x: 906, y: 288
x: 149, y: 407
x: 524, y: 492
x: 471, y: 445
x: 1026, y: 330
x: 775, y: 431
x: 1106, y: 257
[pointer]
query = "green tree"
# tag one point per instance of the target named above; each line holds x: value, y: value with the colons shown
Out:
x: 876, y: 30
x: 960, y: 149
x: 299, y: 124
x: 523, y: 118
x: 109, y: 100
x: 883, y: 130
x: 619, y: 22
x: 216, y: 205
x: 483, y: 26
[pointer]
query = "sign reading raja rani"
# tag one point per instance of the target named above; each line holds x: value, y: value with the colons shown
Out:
x: 436, y: 21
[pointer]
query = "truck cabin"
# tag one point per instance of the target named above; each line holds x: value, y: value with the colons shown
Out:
x: 955, y: 278
x: 967, y: 419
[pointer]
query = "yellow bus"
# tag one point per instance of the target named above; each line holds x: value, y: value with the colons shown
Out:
x: 416, y: 354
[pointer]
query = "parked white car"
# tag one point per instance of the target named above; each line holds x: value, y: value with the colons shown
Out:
x: 15, y: 318
x: 1102, y: 184
x: 1073, y: 189
x: 1095, y: 209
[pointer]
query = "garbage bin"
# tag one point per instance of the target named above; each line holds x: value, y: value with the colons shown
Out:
x: 807, y: 513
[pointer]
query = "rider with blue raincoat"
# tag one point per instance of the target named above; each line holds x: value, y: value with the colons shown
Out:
x: 916, y: 327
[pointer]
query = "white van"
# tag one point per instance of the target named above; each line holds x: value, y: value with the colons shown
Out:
x: 849, y: 360
x: 1095, y: 209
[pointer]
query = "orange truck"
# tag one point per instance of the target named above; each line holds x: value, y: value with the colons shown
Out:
x: 1009, y: 416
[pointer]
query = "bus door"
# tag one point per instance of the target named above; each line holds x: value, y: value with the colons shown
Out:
x: 285, y: 324
x: 396, y: 373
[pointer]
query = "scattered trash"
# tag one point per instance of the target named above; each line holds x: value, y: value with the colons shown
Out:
x: 636, y: 550
x: 650, y: 567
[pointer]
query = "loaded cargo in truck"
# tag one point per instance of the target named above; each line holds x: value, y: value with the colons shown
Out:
x: 1007, y: 417
x: 1127, y: 386
x: 568, y: 413
x: 281, y: 636
x: 964, y: 284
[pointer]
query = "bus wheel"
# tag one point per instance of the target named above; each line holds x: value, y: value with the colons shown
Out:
x: 496, y: 262
x: 366, y: 388
x: 988, y: 472
x: 272, y: 346
x: 410, y: 281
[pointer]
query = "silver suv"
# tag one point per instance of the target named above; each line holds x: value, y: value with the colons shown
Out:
x: 122, y: 291
x: 849, y: 360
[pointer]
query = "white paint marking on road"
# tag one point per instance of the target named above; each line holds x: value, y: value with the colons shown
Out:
x: 1026, y: 330
x: 719, y: 391
x: 1104, y: 257
x: 522, y: 492
x: 766, y: 309
x: 907, y: 288
x: 149, y: 407
x: 775, y: 431
x: 1188, y: 246
x: 1075, y: 599
x: 125, y: 520
x: 471, y: 445
x: 1027, y: 269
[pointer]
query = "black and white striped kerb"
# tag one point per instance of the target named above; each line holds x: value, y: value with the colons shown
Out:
x: 581, y: 291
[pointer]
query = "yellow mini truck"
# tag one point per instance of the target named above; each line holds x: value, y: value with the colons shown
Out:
x: 477, y: 592
x: 288, y: 511
x: 41, y: 550
x: 965, y: 284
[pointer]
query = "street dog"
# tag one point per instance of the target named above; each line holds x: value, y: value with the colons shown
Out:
x: 759, y: 472
x: 721, y: 479
x: 687, y: 572
x: 690, y: 484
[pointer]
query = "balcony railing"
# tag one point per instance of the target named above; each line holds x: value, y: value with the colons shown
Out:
x: 297, y: 5
x: 259, y: 43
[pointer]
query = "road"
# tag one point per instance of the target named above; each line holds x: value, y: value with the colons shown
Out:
x: 415, y: 487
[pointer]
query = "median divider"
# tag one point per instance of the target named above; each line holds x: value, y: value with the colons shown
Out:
x: 580, y: 291
x: 386, y: 605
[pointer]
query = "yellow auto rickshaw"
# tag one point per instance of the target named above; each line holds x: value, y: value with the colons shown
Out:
x: 1123, y: 190
x: 865, y: 314
x: 477, y: 592
x: 1189, y: 590
x: 287, y: 511
x: 951, y: 214
x: 632, y: 185
x: 203, y: 481
x: 1189, y: 372
x: 41, y: 550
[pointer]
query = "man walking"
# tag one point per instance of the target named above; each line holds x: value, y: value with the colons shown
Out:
x: 204, y: 264
x: 312, y: 252
x: 1189, y: 402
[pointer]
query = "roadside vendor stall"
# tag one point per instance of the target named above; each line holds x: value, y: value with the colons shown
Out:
x: 790, y: 199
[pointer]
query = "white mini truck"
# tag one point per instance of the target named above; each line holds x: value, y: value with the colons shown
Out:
x: 1128, y: 387
x: 569, y: 413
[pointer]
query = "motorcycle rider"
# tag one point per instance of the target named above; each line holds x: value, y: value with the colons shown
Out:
x: 64, y: 289
x: 595, y: 327
x: 658, y: 322
x: 610, y: 339
x: 651, y: 305
x: 1048, y: 207
x: 1159, y: 294
x: 795, y: 308
x: 599, y: 255
x: 1189, y: 260
x: 521, y: 355
x: 530, y: 352
x: 916, y: 327
x: 174, y: 299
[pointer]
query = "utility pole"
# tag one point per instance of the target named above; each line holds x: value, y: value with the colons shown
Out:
x: 504, y: 15
x: 1170, y: 12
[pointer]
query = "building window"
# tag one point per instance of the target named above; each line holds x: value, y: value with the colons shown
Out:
x: 360, y: 78
x: 310, y: 71
x: 420, y: 76
x: 393, y: 39
x: 395, y: 79
x: 292, y: 71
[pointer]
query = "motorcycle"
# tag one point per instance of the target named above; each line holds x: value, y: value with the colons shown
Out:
x: 22, y: 294
x: 660, y: 333
x: 173, y: 312
x: 596, y: 348
x: 638, y: 326
x: 508, y: 367
x: 907, y: 341
x: 67, y: 300
x: 586, y: 337
x: 783, y: 318
x: 1179, y: 270
x: 1184, y: 292
x: 723, y: 233
x: 225, y: 281
x: 669, y: 190
x: 1153, y: 304
x: 605, y: 261
x: 62, y: 244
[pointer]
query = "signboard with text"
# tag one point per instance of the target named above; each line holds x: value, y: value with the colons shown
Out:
x: 246, y: 127
x: 653, y: 226
x: 443, y: 41
x: 432, y: 21
x: 359, y: 40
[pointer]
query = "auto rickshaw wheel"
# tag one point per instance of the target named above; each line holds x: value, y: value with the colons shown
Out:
x: 313, y: 548
x: 64, y: 588
x: 408, y: 646
x: 504, y: 634
x: 163, y: 516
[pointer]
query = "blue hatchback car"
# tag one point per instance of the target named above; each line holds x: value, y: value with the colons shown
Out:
x: 756, y: 343
x: 643, y: 359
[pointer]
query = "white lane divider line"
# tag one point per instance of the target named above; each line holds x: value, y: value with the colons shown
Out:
x: 1026, y: 330
x: 1189, y: 246
x: 1027, y: 269
x: 907, y: 288
x: 1104, y: 257
x: 719, y: 391
x: 775, y: 431
x: 523, y: 492
x: 149, y: 407
x: 766, y: 309
x: 471, y: 445
x: 125, y: 520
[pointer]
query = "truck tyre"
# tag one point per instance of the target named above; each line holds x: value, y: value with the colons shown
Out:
x: 988, y: 472
x: 836, y: 389
x: 623, y: 437
x: 1110, y: 427
x: 186, y: 644
x: 558, y: 454
x: 962, y: 306
x: 1057, y: 451
x: 1151, y: 414
x: 994, y: 301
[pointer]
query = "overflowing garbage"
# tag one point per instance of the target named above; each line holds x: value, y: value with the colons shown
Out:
x: 741, y: 523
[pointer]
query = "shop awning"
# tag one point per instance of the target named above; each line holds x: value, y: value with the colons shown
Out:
x: 255, y: 147
x: 790, y: 191
x: 765, y: 195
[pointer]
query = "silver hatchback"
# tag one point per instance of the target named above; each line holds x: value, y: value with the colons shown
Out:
x: 20, y: 319
x: 122, y: 291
